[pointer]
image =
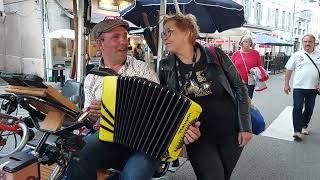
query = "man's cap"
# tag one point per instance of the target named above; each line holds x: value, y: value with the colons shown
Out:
x: 106, y: 25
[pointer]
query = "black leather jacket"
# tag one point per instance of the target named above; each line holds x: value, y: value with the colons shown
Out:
x: 224, y: 71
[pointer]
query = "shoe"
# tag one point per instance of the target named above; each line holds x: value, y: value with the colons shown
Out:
x: 176, y: 163
x: 297, y: 136
x: 174, y: 166
x: 305, y: 131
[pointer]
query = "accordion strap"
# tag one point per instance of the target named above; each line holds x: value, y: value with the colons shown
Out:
x: 102, y: 71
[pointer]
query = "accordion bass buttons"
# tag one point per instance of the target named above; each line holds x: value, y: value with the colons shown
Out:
x: 191, y: 117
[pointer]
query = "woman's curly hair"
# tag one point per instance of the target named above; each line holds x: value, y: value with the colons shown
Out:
x: 185, y: 23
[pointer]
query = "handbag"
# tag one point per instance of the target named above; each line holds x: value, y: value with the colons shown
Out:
x: 318, y: 72
x: 258, y: 124
x: 257, y: 120
x: 251, y: 80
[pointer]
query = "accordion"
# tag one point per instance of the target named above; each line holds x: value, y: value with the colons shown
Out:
x: 145, y: 116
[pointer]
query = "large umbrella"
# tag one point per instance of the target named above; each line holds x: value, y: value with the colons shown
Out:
x: 212, y: 15
x: 269, y: 40
x: 235, y: 33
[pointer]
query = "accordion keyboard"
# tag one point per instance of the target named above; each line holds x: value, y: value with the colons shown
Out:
x: 145, y: 116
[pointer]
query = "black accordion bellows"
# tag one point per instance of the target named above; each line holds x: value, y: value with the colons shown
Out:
x: 145, y: 116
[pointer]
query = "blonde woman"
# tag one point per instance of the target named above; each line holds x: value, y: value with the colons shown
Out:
x: 193, y: 70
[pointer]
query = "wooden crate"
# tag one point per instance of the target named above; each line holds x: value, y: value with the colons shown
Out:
x: 45, y: 172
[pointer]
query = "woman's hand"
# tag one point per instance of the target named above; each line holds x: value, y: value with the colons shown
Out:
x: 94, y: 111
x: 193, y: 133
x: 244, y: 138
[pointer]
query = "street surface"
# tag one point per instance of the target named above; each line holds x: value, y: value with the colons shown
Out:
x: 276, y: 157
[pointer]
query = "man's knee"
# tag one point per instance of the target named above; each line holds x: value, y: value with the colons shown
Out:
x: 144, y: 159
x: 140, y: 167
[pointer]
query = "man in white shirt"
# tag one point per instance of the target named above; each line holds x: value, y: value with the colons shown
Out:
x: 305, y: 84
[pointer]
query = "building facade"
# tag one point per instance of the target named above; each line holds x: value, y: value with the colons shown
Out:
x: 23, y: 45
x: 24, y: 29
x: 21, y: 34
x: 286, y: 19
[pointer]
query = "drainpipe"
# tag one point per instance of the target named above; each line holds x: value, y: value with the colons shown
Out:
x: 46, y: 48
x: 162, y: 13
x: 5, y: 44
x: 81, y: 41
x: 293, y: 26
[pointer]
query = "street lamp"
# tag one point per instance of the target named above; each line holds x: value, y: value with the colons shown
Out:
x: 114, y: 5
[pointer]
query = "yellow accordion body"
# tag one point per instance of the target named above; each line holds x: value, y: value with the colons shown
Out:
x: 139, y: 134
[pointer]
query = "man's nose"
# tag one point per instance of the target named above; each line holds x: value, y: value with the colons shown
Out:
x: 124, y: 41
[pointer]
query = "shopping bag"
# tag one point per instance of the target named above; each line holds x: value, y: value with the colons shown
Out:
x: 251, y: 80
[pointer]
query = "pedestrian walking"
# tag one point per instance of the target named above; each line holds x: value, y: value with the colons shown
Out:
x: 306, y: 86
x: 246, y: 59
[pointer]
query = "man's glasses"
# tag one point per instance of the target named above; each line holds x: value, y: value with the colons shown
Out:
x: 167, y: 33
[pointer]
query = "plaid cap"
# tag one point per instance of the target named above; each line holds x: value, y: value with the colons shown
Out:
x: 107, y: 25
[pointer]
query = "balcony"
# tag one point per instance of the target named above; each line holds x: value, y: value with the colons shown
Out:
x: 303, y: 15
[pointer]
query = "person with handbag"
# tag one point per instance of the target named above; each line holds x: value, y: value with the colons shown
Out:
x: 194, y: 71
x: 245, y: 59
x: 306, y: 64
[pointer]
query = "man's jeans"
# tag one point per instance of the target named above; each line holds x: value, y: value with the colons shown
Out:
x: 302, y: 97
x: 98, y: 155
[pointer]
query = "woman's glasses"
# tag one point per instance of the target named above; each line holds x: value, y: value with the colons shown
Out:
x: 167, y: 33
